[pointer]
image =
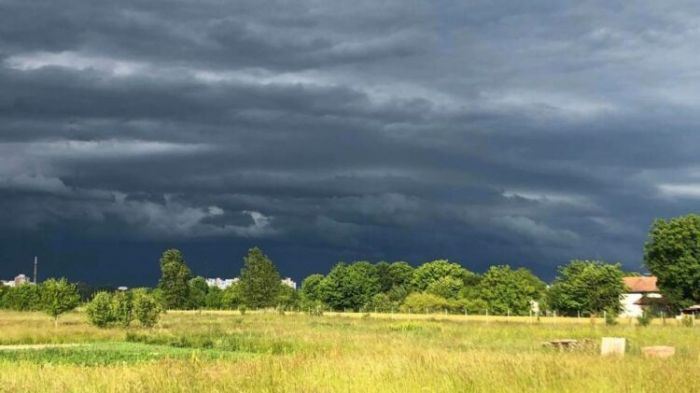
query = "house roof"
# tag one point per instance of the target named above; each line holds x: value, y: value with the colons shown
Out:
x: 642, y: 284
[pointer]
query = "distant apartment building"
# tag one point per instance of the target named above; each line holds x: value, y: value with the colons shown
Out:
x: 17, y: 281
x: 225, y: 283
x: 222, y: 283
x: 289, y: 282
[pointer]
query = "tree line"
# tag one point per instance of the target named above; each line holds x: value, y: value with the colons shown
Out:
x: 672, y: 253
x: 434, y: 286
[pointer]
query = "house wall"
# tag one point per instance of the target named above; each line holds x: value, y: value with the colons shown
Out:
x: 629, y: 309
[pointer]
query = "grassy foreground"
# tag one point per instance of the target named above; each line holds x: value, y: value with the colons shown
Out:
x: 258, y: 352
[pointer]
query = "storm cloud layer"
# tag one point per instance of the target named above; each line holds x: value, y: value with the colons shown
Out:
x: 484, y: 132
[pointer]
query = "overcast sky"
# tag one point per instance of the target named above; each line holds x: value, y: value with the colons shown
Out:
x: 485, y: 132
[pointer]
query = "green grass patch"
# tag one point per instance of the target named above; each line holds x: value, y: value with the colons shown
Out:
x: 249, y: 343
x: 106, y: 353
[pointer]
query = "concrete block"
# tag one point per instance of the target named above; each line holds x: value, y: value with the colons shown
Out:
x: 658, y: 351
x: 613, y: 346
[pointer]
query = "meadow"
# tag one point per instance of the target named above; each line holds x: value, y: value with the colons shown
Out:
x: 271, y: 352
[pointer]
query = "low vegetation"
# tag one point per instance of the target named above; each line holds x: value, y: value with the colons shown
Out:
x: 295, y: 352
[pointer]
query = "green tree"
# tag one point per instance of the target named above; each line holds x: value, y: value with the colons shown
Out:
x: 58, y: 297
x: 396, y: 274
x: 379, y: 303
x: 214, y: 299
x: 672, y: 254
x: 3, y: 291
x: 99, y: 310
x: 146, y: 309
x: 259, y: 280
x: 198, y: 289
x: 349, y: 286
x: 175, y: 276
x: 232, y: 297
x: 447, y: 287
x: 507, y: 290
x: 590, y: 286
x: 310, y: 288
x: 122, y: 308
x: 400, y: 274
x: 398, y: 293
x: 25, y: 297
x: 287, y: 297
x: 430, y: 272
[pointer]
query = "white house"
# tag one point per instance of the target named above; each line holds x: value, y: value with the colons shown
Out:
x: 640, y: 290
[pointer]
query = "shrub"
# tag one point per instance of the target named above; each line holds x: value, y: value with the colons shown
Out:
x: 424, y: 302
x: 688, y: 320
x: 645, y: 319
x: 146, y: 309
x: 315, y: 308
x: 122, y: 308
x: 379, y: 303
x: 99, y: 310
x: 610, y: 317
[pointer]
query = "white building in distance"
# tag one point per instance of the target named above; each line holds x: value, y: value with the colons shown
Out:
x: 641, y: 291
x: 18, y: 280
x: 222, y: 283
x: 225, y: 283
x: 289, y: 282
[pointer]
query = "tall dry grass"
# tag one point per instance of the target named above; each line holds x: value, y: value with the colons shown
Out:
x: 341, y: 353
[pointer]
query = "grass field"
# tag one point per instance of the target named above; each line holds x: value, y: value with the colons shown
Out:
x: 267, y: 352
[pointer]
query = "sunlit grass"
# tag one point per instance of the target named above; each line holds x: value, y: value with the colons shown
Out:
x: 267, y: 352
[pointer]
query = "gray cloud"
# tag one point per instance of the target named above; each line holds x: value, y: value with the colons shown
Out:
x: 487, y: 132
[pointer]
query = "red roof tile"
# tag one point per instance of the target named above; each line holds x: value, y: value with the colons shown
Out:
x: 641, y: 284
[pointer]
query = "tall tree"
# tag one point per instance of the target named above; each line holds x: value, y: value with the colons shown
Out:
x: 260, y: 281
x: 198, y: 292
x: 287, y: 297
x: 507, y: 290
x: 350, y: 286
x: 672, y: 254
x: 590, y: 286
x: 310, y: 288
x: 400, y: 274
x: 174, y: 280
x: 214, y: 298
x: 58, y: 297
x: 430, y: 272
x: 231, y: 297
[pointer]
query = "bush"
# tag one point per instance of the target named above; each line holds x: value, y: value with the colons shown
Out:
x: 424, y: 303
x: 25, y: 297
x: 146, y: 309
x: 379, y: 303
x: 645, y: 319
x: 99, y: 310
x: 122, y: 308
x: 610, y: 317
x: 687, y: 320
x: 314, y: 308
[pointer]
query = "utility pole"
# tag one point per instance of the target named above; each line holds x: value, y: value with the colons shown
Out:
x: 36, y: 262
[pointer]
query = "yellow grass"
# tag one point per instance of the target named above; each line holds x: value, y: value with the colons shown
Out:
x: 354, y: 353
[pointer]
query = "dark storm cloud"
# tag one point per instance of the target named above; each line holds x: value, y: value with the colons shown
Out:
x: 486, y: 132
